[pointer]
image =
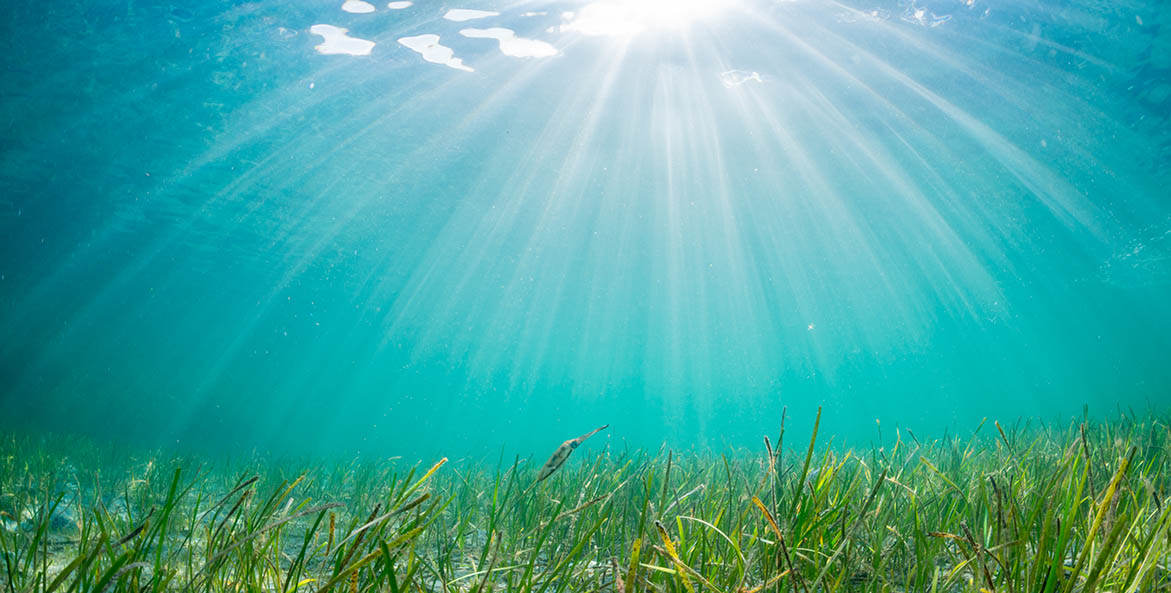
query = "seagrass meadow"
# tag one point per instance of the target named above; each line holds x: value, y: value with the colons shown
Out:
x: 1028, y: 507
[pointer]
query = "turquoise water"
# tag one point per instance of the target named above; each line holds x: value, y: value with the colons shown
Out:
x: 676, y: 218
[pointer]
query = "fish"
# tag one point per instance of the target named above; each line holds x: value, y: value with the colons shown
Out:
x: 562, y: 453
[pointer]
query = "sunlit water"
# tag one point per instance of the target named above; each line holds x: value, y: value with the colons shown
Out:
x: 477, y: 227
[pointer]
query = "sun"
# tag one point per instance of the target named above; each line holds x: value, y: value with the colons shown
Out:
x: 628, y: 17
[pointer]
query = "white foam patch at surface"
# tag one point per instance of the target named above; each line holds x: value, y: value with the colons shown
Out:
x: 733, y: 78
x: 460, y: 15
x: 511, y: 45
x: 428, y: 46
x: 357, y: 6
x: 337, y: 42
x: 399, y: 5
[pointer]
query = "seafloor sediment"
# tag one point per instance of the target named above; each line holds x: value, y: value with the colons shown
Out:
x: 1080, y: 507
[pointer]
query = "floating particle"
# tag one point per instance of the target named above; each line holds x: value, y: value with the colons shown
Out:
x: 733, y: 78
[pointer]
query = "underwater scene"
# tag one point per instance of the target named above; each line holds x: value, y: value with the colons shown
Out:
x: 601, y: 296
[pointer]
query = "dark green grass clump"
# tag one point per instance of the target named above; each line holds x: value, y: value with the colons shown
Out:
x: 1080, y: 508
